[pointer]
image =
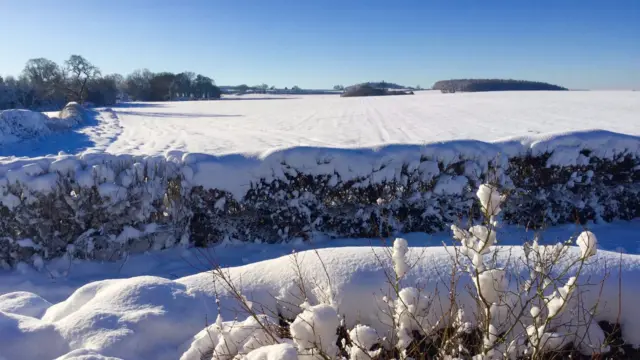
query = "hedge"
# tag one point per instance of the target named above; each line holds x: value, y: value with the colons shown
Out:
x: 101, y: 206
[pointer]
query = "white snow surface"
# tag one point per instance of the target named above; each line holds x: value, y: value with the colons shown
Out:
x: 254, y: 124
x: 23, y: 303
x: 144, y: 317
x: 85, y: 354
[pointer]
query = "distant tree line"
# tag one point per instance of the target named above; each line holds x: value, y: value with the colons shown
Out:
x: 474, y: 85
x: 144, y: 85
x: 260, y: 89
x: 45, y: 85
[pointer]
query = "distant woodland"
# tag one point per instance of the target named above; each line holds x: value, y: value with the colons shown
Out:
x: 475, y: 85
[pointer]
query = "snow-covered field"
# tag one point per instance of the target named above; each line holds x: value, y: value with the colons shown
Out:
x: 257, y: 123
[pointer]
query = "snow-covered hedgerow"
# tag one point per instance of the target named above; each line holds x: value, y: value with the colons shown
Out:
x: 102, y: 206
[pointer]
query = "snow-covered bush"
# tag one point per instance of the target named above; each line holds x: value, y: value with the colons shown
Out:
x: 72, y: 115
x: 19, y: 125
x: 526, y: 308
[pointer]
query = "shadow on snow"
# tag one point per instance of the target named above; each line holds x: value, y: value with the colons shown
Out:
x: 175, y: 115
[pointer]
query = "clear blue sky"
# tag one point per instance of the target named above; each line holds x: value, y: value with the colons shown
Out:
x: 319, y: 43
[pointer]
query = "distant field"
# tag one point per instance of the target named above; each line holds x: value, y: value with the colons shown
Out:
x: 251, y: 123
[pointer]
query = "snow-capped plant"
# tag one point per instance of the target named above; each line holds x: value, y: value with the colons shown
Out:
x: 314, y: 331
x: 588, y: 244
x: 226, y: 340
x: 363, y: 338
x: 490, y: 199
x: 400, y: 249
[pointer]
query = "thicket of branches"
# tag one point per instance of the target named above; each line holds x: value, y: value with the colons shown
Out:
x: 46, y: 85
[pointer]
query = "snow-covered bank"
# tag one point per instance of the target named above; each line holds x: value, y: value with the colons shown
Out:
x: 150, y: 317
x: 101, y: 205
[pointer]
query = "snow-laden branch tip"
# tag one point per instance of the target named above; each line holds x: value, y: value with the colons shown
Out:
x: 399, y: 257
x: 315, y: 329
x: 490, y: 199
x: 363, y: 338
x: 588, y: 244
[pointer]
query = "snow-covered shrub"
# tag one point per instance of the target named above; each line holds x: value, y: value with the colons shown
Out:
x: 99, y: 211
x: 226, y: 340
x: 19, y: 125
x: 72, y: 115
x: 314, y: 331
x: 526, y: 308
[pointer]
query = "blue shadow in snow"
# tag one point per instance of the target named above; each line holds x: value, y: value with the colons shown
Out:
x: 257, y: 98
x: 175, y: 115
x: 125, y: 105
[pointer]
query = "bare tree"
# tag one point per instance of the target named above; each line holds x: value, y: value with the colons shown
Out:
x: 79, y: 72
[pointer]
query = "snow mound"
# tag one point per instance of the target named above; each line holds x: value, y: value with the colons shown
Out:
x: 72, y: 115
x: 28, y: 338
x: 20, y: 125
x: 85, y: 354
x: 138, y: 318
x: 24, y: 303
